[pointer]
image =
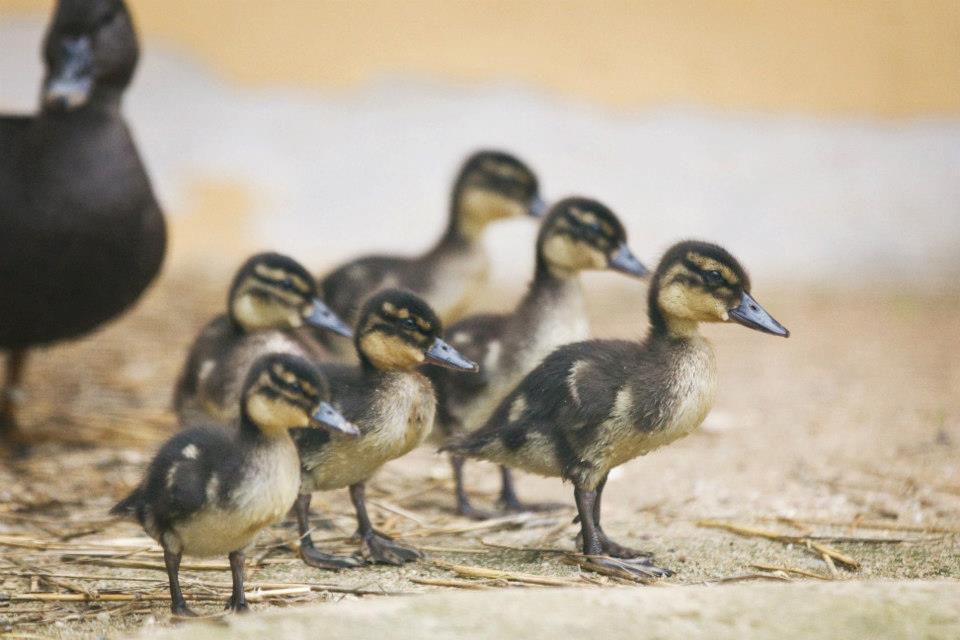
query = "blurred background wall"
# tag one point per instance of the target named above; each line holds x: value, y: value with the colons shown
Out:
x: 820, y: 140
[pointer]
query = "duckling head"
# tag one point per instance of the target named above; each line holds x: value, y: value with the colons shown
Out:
x: 273, y: 291
x: 493, y: 185
x: 399, y: 331
x: 90, y: 49
x: 581, y: 234
x: 701, y: 282
x: 283, y: 392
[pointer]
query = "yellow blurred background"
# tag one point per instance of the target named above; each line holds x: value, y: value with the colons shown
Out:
x: 883, y: 57
x: 817, y: 139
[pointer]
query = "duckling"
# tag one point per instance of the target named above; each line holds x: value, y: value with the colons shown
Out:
x: 577, y: 235
x: 271, y: 297
x: 209, y: 492
x: 81, y: 233
x: 390, y: 402
x: 591, y: 406
x: 491, y: 186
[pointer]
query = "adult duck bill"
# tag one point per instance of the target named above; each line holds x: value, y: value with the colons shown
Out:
x: 70, y: 86
x: 329, y: 418
x: 320, y: 315
x: 749, y: 313
x: 625, y: 262
x: 442, y: 354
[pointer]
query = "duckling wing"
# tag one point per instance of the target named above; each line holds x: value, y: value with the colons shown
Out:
x: 556, y: 408
x: 188, y: 474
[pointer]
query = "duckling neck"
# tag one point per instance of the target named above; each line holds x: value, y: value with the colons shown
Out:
x: 674, y: 328
x: 249, y: 432
x: 550, y: 281
x: 467, y: 218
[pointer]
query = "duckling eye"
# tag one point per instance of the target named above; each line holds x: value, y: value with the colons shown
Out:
x: 408, y: 323
x: 712, y: 278
x: 286, y: 284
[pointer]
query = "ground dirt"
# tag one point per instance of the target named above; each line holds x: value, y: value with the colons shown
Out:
x: 847, y: 434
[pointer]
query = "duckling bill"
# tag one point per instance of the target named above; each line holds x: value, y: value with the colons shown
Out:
x: 592, y: 406
x: 209, y: 492
x: 393, y: 406
x: 81, y: 233
x: 579, y: 234
x: 271, y: 303
x: 491, y: 186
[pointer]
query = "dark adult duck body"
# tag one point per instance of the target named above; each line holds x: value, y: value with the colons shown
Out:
x: 578, y: 234
x: 81, y: 234
x: 592, y: 406
x: 390, y: 402
x: 271, y: 303
x: 491, y: 186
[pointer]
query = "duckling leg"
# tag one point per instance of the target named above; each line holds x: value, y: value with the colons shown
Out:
x: 592, y: 546
x: 238, y: 600
x: 610, y: 547
x: 308, y: 553
x: 464, y: 507
x: 178, y: 606
x: 10, y: 398
x: 511, y: 503
x: 375, y: 545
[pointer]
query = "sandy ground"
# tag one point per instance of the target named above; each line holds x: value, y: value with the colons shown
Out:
x: 849, y: 429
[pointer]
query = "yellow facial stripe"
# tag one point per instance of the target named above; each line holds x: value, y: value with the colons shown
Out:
x: 584, y: 217
x: 710, y: 264
x: 392, y: 311
x: 277, y: 275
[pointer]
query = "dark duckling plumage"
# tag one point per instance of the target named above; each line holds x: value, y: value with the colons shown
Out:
x: 81, y: 233
x: 578, y: 234
x: 491, y: 185
x: 391, y: 403
x: 209, y: 491
x: 591, y: 406
x: 272, y: 305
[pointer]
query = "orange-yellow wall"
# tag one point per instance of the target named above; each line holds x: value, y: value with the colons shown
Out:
x: 881, y: 57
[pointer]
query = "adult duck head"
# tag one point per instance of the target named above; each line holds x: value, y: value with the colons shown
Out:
x: 90, y: 54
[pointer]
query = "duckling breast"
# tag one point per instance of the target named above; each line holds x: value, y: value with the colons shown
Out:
x: 400, y: 416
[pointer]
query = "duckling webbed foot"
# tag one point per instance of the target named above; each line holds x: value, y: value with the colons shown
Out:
x: 641, y: 568
x: 183, y: 611
x: 379, y: 548
x: 509, y: 502
x: 240, y: 606
x: 374, y: 545
x: 309, y: 553
x: 466, y: 509
x: 320, y: 560
x: 595, y: 543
